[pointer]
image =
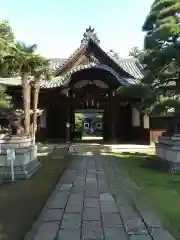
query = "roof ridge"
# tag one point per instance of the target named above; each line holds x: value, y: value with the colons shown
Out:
x: 71, y: 56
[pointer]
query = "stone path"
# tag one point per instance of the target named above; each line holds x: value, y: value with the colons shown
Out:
x: 93, y: 200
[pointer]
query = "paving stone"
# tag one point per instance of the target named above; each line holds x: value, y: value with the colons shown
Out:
x: 57, y: 203
x: 150, y: 219
x: 92, y: 171
x: 91, y: 202
x: 77, y: 190
x: 160, y: 234
x: 91, y: 180
x: 127, y: 212
x: 79, y: 183
x: 92, y: 230
x: 80, y: 178
x: 103, y: 189
x: 47, y: 231
x: 53, y: 215
x: 74, y: 207
x: 91, y: 175
x: 106, y: 197
x: 140, y: 237
x: 71, y: 221
x: 109, y: 207
x: 66, y: 187
x: 91, y: 214
x: 40, y: 219
x: 68, y: 234
x: 92, y: 193
x: 135, y: 226
x: 107, y: 192
x: 62, y: 194
x: 115, y: 234
x: 76, y: 197
x: 111, y: 220
x: 122, y: 200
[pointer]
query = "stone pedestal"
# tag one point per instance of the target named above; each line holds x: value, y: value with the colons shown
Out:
x: 25, y: 163
x: 168, y: 150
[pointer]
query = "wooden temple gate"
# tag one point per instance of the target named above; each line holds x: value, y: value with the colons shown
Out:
x: 60, y: 105
x: 89, y: 79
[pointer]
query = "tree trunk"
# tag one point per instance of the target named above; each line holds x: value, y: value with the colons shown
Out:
x: 26, y: 102
x: 35, y: 106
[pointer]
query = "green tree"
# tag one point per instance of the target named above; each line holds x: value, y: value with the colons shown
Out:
x: 7, y: 47
x: 162, y: 40
x: 40, y: 72
x: 26, y: 61
x: 7, y: 50
x: 19, y: 59
x: 137, y: 53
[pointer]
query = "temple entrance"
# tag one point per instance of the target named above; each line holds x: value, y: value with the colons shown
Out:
x: 89, y: 124
x: 84, y: 103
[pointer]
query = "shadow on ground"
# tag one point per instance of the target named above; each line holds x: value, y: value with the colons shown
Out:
x: 147, y: 160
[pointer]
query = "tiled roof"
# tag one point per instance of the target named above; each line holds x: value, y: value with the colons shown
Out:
x: 82, y: 46
x: 65, y: 78
x: 88, y: 36
x: 56, y: 63
x: 132, y: 66
x: 129, y: 65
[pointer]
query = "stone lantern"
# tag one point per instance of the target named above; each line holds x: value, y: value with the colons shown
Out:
x: 15, y: 125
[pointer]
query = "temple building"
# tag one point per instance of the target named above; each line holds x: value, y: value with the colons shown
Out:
x: 88, y: 80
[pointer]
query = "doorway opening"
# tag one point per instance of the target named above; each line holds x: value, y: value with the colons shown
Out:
x: 89, y: 124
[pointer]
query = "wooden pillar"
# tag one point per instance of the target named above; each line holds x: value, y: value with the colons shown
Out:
x: 146, y: 130
x: 113, y: 124
x: 113, y: 116
x: 68, y: 119
x: 72, y: 128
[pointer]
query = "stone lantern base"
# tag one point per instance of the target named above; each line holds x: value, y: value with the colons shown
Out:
x: 168, y: 151
x: 25, y: 164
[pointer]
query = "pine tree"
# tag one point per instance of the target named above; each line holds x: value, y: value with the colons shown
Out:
x: 162, y: 40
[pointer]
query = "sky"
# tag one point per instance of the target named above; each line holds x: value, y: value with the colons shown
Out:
x: 57, y: 26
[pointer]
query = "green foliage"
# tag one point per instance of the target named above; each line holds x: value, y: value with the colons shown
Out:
x: 6, y: 32
x: 143, y: 94
x: 162, y: 54
x: 165, y: 106
x: 17, y: 58
x: 79, y: 121
x: 162, y: 23
x: 5, y: 100
x: 137, y: 91
x: 137, y: 53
